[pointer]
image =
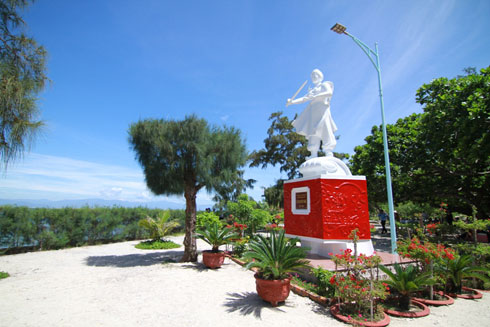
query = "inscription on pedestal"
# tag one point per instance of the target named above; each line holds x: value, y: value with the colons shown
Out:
x: 300, y: 198
x: 301, y: 201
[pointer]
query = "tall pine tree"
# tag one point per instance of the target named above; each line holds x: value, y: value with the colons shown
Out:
x: 22, y: 77
x: 182, y: 157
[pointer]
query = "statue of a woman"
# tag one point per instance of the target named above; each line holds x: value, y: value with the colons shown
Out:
x: 315, y: 122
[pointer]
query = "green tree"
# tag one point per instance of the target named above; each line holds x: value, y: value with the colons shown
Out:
x: 456, y: 137
x: 403, y: 143
x: 440, y: 155
x: 274, y: 195
x: 22, y: 77
x: 231, y: 191
x: 283, y: 147
x: 182, y: 157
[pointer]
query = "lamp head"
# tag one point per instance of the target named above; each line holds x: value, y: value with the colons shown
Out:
x: 339, y: 28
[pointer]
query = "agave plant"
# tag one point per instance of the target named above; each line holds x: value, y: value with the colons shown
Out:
x: 215, y: 235
x: 159, y: 227
x: 460, y: 268
x: 406, y: 281
x: 275, y: 257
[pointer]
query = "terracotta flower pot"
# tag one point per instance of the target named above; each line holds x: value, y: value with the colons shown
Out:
x: 335, y: 311
x: 408, y: 314
x: 273, y: 291
x: 213, y: 260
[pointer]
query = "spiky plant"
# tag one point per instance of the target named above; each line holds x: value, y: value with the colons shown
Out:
x: 406, y: 281
x: 159, y: 227
x: 460, y: 268
x: 215, y: 235
x: 275, y: 257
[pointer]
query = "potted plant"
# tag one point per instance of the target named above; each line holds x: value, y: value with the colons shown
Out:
x: 274, y: 259
x: 458, y: 269
x: 358, y: 288
x: 214, y: 235
x: 406, y: 281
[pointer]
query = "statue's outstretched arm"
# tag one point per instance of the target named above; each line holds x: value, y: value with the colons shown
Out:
x: 310, y: 96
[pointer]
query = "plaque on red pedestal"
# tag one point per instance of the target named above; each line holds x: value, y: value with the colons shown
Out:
x: 323, y: 210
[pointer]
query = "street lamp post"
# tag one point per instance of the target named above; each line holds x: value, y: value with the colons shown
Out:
x: 340, y: 29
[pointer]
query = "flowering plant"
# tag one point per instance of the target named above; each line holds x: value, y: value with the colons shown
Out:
x: 239, y: 228
x: 356, y: 286
x: 424, y: 253
x: 271, y: 227
x: 431, y: 228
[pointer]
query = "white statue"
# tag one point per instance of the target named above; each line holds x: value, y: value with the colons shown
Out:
x: 315, y: 122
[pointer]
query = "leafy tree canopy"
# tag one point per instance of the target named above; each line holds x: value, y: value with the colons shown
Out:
x: 22, y: 77
x: 182, y: 157
x: 439, y: 155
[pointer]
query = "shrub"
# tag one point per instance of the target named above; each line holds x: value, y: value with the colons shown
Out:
x: 324, y: 287
x: 157, y: 245
x: 4, y: 274
x: 207, y: 219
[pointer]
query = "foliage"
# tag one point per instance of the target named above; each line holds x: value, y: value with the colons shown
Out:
x: 159, y: 227
x: 409, y: 210
x: 424, y: 252
x: 473, y: 225
x: 283, y: 147
x: 440, y: 155
x: 245, y: 211
x: 50, y: 228
x: 207, y: 218
x: 324, y: 287
x: 356, y: 285
x: 4, y: 274
x: 456, y: 135
x: 460, y: 268
x: 231, y: 191
x: 182, y: 157
x: 22, y: 77
x: 406, y: 281
x: 297, y: 280
x: 240, y: 246
x: 273, y: 227
x: 367, y: 161
x: 275, y: 257
x: 238, y: 228
x: 274, y: 194
x: 157, y: 245
x: 480, y: 252
x: 215, y: 235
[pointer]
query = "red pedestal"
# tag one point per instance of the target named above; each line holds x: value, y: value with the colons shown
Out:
x: 327, y: 208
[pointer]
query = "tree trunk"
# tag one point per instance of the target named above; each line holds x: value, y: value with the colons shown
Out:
x: 190, y: 251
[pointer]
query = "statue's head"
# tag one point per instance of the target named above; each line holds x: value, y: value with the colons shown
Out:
x: 316, y: 76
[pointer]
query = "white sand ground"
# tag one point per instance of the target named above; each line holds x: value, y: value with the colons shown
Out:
x: 119, y: 285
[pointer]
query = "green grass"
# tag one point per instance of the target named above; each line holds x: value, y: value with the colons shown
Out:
x: 4, y: 274
x: 157, y: 245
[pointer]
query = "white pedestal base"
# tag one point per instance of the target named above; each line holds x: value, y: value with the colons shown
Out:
x: 324, y: 247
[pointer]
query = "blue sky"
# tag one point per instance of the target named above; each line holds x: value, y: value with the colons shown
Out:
x: 112, y: 63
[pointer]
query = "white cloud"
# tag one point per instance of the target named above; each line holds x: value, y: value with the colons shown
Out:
x: 58, y: 178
